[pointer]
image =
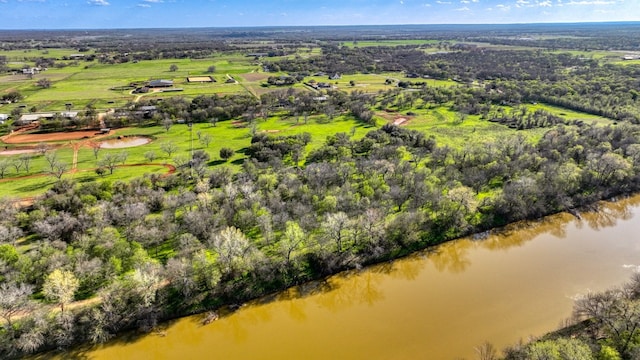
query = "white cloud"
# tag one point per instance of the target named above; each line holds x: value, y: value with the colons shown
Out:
x: 595, y: 2
x: 98, y: 2
x: 463, y: 9
x: 443, y: 2
x: 465, y: 1
x: 426, y: 5
x: 546, y: 3
x: 503, y: 7
x: 154, y: 1
x: 144, y: 5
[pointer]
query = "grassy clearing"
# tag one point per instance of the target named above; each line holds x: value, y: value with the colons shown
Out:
x: 91, y: 82
x: 230, y: 134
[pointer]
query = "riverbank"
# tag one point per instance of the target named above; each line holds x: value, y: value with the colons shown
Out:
x: 442, y: 302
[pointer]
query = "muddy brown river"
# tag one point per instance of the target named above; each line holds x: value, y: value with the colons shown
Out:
x: 437, y: 304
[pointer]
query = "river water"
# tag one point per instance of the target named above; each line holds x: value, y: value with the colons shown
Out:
x: 437, y: 304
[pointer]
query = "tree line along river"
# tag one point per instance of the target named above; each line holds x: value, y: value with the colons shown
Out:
x: 436, y: 304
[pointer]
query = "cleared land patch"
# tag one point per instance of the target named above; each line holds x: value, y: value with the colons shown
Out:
x: 200, y: 79
x: 255, y: 76
x: 58, y: 136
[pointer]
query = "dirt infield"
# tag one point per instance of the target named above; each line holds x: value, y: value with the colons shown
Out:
x: 60, y: 136
x: 200, y: 79
x: 254, y: 76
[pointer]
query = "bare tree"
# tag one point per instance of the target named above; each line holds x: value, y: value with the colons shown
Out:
x: 4, y: 165
x: 58, y: 169
x: 43, y: 83
x: 150, y: 156
x: 25, y: 159
x: 232, y: 247
x: 486, y: 351
x: 173, y: 68
x: 17, y: 164
x: 169, y: 148
x: 110, y: 161
x: 211, y: 69
x: 14, y: 300
x: 122, y: 156
x: 42, y: 148
x: 96, y: 150
x: 52, y: 159
x: 205, y: 140
x: 166, y: 123
x: 335, y: 228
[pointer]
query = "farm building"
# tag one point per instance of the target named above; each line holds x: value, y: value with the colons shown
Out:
x: 29, y: 118
x: 160, y: 83
x: 31, y: 71
x: 69, y: 114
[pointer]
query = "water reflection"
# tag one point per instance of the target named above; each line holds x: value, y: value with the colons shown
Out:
x: 452, y: 256
x: 607, y: 214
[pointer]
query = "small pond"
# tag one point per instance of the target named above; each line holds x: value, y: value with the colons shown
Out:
x: 124, y: 142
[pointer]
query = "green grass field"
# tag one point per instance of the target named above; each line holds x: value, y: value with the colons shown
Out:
x: 225, y: 134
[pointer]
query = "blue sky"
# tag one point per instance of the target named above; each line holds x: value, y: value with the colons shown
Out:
x: 101, y: 14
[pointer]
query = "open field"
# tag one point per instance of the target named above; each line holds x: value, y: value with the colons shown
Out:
x: 91, y: 82
x: 235, y: 135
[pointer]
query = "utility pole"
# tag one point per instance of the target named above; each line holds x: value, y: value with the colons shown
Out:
x: 190, y: 124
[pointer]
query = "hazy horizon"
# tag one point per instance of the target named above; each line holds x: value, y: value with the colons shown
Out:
x: 142, y: 14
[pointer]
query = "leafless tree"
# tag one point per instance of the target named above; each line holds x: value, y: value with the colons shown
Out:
x: 58, y: 169
x: 17, y: 164
x: 4, y: 165
x: 486, y: 351
x: 150, y: 156
x: 25, y: 159
x: 205, y: 140
x: 169, y: 148
x: 166, y: 123
x: 42, y: 148
x: 14, y: 300
x: 110, y: 161
x: 52, y: 159
x: 43, y: 83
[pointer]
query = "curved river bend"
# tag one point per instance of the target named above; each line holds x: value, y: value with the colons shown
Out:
x: 437, y: 304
